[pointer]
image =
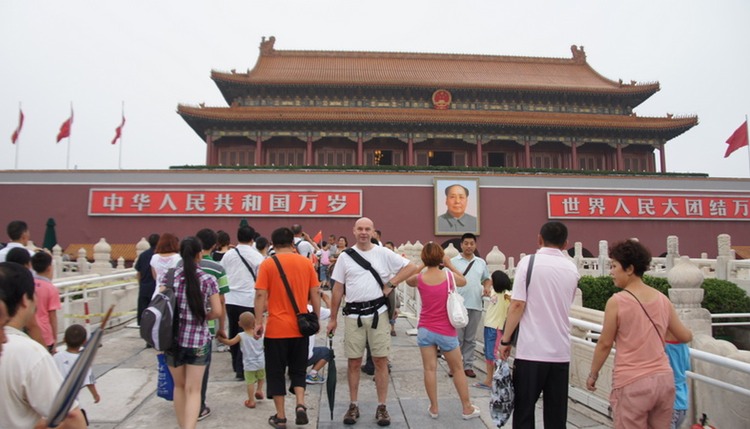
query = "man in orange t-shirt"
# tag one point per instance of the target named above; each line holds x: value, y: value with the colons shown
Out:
x: 284, y: 345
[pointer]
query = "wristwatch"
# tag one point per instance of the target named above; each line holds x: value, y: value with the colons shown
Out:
x: 391, y: 285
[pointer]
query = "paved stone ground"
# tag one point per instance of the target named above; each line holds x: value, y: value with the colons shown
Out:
x: 126, y: 380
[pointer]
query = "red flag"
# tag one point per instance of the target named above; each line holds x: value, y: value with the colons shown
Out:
x: 17, y: 132
x: 318, y: 236
x: 65, y: 128
x: 737, y: 140
x: 118, y: 131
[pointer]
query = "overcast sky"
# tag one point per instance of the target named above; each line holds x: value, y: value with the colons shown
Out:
x: 154, y: 54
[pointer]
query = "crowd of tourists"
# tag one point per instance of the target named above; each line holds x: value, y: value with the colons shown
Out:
x: 248, y: 297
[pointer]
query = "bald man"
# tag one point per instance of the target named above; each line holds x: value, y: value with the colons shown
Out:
x: 366, y: 318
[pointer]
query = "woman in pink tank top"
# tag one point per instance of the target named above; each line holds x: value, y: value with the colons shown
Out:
x: 637, y: 320
x: 435, y: 330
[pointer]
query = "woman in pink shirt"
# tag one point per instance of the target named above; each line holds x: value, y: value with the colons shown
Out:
x: 435, y: 330
x: 637, y: 319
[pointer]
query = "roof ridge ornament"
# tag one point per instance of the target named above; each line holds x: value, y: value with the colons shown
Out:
x: 579, y: 56
x: 266, y: 46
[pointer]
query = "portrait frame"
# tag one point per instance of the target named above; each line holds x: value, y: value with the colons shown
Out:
x: 447, y: 225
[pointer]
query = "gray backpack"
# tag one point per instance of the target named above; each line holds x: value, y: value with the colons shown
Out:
x: 159, y: 319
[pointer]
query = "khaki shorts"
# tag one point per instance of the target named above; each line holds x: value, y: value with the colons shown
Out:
x: 355, y: 337
x: 646, y: 402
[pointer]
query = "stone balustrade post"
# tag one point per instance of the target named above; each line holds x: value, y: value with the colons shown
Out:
x: 603, y: 258
x: 57, y: 261
x: 495, y: 260
x: 140, y: 247
x: 102, y: 264
x: 82, y: 261
x: 120, y: 263
x: 724, y: 242
x: 673, y: 251
x: 686, y: 295
x: 451, y: 251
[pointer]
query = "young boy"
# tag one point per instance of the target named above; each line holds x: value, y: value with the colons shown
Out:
x: 494, y: 318
x: 679, y: 360
x: 75, y: 336
x: 253, y: 360
x: 47, y: 298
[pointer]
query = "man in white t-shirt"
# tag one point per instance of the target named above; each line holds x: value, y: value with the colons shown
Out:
x: 29, y: 378
x: 302, y: 241
x: 366, y: 311
x: 18, y: 232
x: 241, y: 265
x: 543, y: 349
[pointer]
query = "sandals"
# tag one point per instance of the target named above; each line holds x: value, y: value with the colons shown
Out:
x: 301, y: 412
x: 432, y: 415
x: 476, y: 413
x: 249, y: 404
x: 259, y: 395
x: 277, y: 422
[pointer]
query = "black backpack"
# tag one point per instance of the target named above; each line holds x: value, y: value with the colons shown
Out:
x: 159, y: 319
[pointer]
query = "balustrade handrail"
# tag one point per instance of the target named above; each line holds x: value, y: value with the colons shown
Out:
x: 94, y: 278
x: 711, y: 358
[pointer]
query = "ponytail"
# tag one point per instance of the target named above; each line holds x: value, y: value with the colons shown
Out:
x: 189, y: 249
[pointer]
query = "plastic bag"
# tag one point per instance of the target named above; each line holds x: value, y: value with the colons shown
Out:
x: 164, y: 383
x: 502, y: 397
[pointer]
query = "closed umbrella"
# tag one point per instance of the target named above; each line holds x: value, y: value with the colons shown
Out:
x: 74, y: 381
x: 331, y: 379
x: 50, y: 238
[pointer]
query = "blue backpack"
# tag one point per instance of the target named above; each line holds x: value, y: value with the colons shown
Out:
x: 159, y: 319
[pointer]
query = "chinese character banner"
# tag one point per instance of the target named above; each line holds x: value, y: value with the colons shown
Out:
x: 184, y: 202
x: 643, y: 207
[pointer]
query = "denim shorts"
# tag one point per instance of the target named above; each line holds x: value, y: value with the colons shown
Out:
x: 199, y: 356
x: 318, y: 354
x: 426, y: 338
x: 490, y: 343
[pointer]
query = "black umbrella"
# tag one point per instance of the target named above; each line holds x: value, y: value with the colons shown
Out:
x: 331, y: 379
x: 74, y: 381
x: 50, y: 238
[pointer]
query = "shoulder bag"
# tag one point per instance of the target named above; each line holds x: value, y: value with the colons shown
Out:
x: 457, y: 313
x: 308, y: 322
x: 364, y: 263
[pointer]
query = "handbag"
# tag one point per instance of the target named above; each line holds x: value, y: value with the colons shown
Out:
x: 164, y: 383
x: 308, y: 322
x: 514, y: 335
x: 457, y: 313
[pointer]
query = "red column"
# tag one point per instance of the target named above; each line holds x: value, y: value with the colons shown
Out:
x: 662, y: 158
x: 258, y: 150
x: 210, y: 151
x: 574, y: 154
x: 360, y: 151
x: 479, y: 152
x: 410, y: 151
x: 527, y: 149
x: 309, y: 151
x: 620, y: 164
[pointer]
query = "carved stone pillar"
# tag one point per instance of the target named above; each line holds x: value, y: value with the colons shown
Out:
x: 673, y: 251
x: 686, y: 295
x: 258, y: 150
x: 724, y: 242
x: 603, y: 258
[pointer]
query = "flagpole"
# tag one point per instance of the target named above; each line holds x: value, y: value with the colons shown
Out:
x: 747, y: 128
x: 119, y: 161
x: 67, y: 156
x: 18, y: 142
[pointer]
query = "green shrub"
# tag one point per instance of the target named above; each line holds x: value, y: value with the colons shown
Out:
x: 720, y: 296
